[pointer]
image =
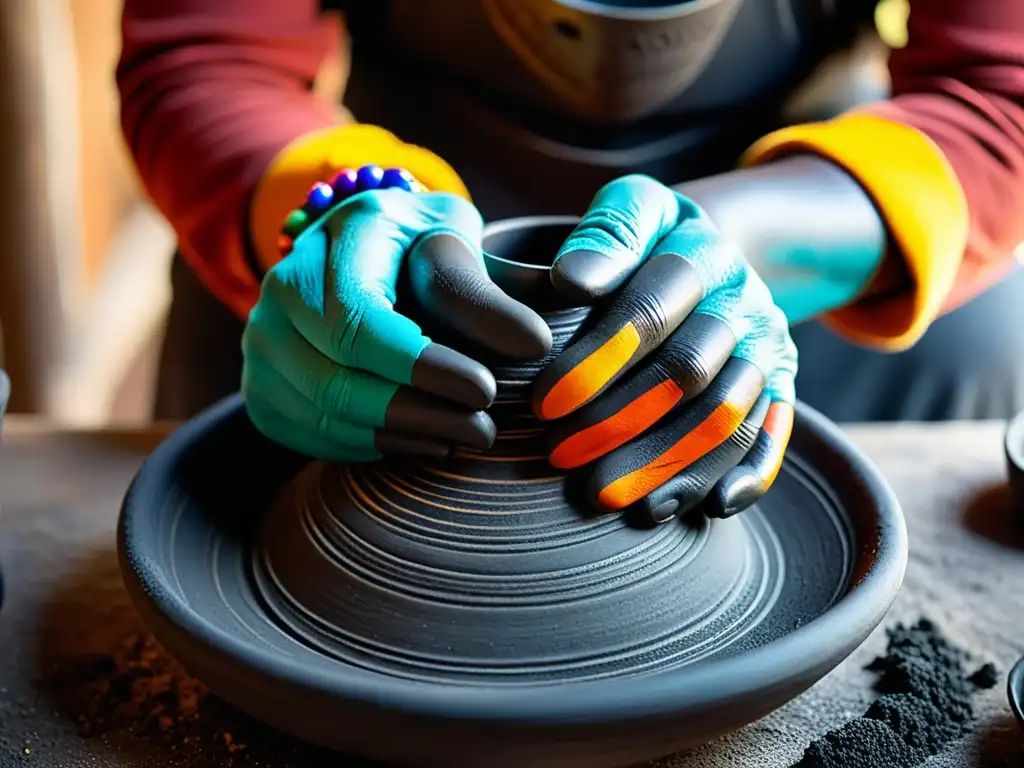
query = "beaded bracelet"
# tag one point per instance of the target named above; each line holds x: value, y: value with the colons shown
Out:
x: 342, y: 185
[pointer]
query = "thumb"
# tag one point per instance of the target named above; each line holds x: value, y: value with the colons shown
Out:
x: 449, y: 280
x: 626, y: 219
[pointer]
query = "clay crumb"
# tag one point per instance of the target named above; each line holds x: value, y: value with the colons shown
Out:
x: 138, y: 688
x: 986, y: 677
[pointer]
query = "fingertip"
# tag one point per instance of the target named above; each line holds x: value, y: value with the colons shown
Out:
x: 583, y: 372
x: 658, y: 512
x: 391, y: 444
x: 564, y: 459
x: 526, y: 337
x: 584, y: 276
x: 624, y: 220
x: 537, y: 404
x: 738, y: 489
x: 450, y: 282
x: 413, y: 412
x: 446, y: 373
x: 605, y: 496
x: 663, y: 504
x: 482, y: 433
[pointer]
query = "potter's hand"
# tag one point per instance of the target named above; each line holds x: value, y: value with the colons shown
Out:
x: 333, y: 371
x: 707, y: 408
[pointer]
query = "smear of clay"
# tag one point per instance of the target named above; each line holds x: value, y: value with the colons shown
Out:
x: 926, y: 703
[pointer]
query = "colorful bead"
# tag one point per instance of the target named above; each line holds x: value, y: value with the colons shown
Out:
x: 344, y: 183
x: 369, y: 177
x: 319, y: 198
x: 296, y: 222
x: 397, y: 178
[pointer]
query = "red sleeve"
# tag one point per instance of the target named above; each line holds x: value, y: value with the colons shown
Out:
x: 960, y: 81
x: 211, y: 91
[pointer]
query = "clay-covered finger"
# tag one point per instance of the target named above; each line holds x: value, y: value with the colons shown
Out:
x: 626, y: 218
x: 451, y: 375
x: 745, y: 484
x: 637, y: 469
x: 293, y: 420
x: 275, y: 350
x: 677, y: 372
x: 342, y: 304
x: 695, y: 484
x: 449, y: 280
x: 414, y: 413
x: 770, y: 347
x: 655, y: 302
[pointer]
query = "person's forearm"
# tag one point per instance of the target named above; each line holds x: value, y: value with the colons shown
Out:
x: 805, y: 226
x: 211, y: 92
x: 942, y: 161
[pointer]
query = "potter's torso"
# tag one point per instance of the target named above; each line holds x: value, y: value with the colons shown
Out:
x: 536, y: 103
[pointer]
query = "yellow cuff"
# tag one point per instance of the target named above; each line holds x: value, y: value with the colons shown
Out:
x: 918, y: 196
x: 315, y: 156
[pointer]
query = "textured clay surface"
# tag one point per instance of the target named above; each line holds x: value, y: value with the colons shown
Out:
x: 83, y: 684
x: 507, y: 583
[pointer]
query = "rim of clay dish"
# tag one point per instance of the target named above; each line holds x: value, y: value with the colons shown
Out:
x: 1015, y: 440
x: 808, y: 650
x: 1014, y: 443
x: 528, y: 282
x: 521, y: 223
x: 1015, y: 691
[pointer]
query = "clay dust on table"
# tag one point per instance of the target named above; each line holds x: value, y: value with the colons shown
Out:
x: 100, y: 669
x: 926, y: 703
x: 137, y: 688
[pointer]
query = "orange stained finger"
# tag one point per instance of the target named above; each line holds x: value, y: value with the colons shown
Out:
x: 705, y: 437
x: 586, y: 379
x: 778, y: 425
x: 628, y: 422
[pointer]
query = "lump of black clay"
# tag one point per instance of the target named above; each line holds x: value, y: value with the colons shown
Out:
x: 926, y: 703
x: 860, y: 743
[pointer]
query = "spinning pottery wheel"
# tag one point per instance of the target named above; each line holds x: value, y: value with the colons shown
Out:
x: 471, y: 611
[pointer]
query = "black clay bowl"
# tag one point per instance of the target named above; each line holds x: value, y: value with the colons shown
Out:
x: 1015, y: 691
x: 824, y: 556
x: 1014, y: 447
x: 194, y: 508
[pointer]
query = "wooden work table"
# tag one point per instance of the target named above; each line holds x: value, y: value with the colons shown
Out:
x: 60, y: 492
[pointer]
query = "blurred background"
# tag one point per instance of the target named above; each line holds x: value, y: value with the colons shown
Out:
x: 84, y: 260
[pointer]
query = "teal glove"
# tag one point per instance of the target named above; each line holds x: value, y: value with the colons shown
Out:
x: 332, y: 371
x: 706, y: 409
